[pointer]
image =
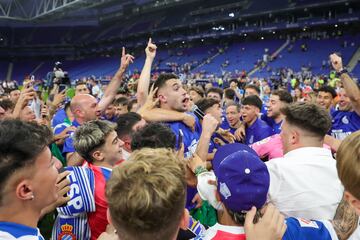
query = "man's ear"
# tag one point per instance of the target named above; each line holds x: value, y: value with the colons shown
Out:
x: 24, y: 190
x: 162, y: 98
x: 353, y: 201
x: 108, y: 216
x: 97, y: 155
x: 185, y: 219
x: 295, y: 137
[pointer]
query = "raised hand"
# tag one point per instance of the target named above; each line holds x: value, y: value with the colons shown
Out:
x: 151, y: 102
x: 240, y: 133
x: 126, y: 60
x: 59, y: 98
x: 150, y: 50
x: 336, y: 62
x: 227, y: 135
x: 209, y: 124
x: 26, y: 95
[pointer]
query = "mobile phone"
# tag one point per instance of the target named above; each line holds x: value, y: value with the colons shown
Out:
x: 62, y: 87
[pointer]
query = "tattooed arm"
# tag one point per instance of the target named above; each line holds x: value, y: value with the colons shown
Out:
x: 345, y: 220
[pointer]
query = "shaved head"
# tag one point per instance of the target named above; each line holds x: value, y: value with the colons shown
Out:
x: 84, y: 107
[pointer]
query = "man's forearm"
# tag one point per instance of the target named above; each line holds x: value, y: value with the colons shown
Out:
x: 352, y: 91
x: 144, y: 82
x: 111, y: 89
x: 203, y: 145
x: 161, y: 115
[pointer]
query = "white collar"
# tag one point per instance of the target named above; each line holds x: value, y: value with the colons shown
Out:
x: 313, y: 151
x: 228, y: 229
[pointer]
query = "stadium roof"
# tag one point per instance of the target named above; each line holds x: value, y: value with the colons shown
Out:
x: 85, y: 12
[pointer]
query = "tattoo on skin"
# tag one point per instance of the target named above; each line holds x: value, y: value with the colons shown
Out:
x: 345, y: 220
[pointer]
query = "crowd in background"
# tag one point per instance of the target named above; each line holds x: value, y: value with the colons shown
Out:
x: 157, y: 156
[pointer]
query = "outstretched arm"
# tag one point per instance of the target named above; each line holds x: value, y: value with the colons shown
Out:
x: 351, y: 88
x: 144, y: 80
x: 115, y: 82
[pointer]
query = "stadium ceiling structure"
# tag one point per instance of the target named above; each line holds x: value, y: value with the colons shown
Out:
x: 30, y: 11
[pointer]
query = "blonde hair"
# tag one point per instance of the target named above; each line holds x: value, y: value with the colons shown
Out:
x: 90, y: 136
x: 146, y: 195
x: 348, y: 163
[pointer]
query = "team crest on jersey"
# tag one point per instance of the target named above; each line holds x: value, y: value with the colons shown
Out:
x: 307, y: 223
x: 251, y: 140
x: 345, y: 120
x: 66, y: 233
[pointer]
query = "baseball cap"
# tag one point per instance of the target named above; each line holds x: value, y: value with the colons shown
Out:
x: 226, y: 150
x: 243, y: 181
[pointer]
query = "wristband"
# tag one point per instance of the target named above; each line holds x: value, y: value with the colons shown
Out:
x: 199, y: 170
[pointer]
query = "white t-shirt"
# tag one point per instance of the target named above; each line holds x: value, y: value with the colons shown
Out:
x: 304, y: 183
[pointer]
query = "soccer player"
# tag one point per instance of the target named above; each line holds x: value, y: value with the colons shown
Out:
x: 147, y: 196
x: 97, y: 142
x: 29, y: 179
x: 85, y: 107
x: 233, y: 114
x: 325, y: 98
x: 255, y: 128
x: 274, y: 117
x: 347, y: 119
x: 215, y: 93
x: 241, y: 198
x: 127, y: 125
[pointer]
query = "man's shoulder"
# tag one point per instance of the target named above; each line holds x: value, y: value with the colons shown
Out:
x: 13, y: 231
x: 339, y: 114
x: 299, y: 228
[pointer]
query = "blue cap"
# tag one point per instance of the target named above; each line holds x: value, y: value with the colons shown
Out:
x: 226, y: 150
x: 243, y: 181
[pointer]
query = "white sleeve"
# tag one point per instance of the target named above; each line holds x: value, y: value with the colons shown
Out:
x: 275, y: 180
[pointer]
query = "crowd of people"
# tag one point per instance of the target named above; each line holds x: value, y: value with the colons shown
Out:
x: 173, y: 160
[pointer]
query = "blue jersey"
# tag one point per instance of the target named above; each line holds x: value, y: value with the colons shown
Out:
x: 68, y: 145
x: 224, y: 124
x: 344, y: 123
x: 60, y: 127
x: 190, y: 140
x: 113, y: 119
x: 258, y: 131
x: 276, y: 127
x: 59, y: 117
x: 301, y: 229
x: 13, y: 231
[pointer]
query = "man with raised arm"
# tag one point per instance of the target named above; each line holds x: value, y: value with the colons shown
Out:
x: 86, y: 108
x: 346, y: 120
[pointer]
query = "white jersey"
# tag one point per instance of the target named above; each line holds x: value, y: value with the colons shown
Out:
x: 14, y: 231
